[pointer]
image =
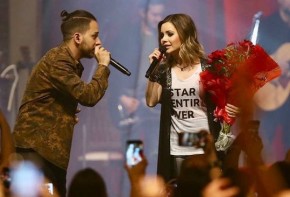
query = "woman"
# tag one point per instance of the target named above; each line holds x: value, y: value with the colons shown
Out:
x: 175, y: 83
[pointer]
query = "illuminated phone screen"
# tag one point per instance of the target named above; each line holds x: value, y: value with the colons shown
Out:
x: 134, y: 152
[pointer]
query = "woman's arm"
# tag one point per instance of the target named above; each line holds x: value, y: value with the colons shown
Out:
x: 153, y: 89
x: 153, y: 93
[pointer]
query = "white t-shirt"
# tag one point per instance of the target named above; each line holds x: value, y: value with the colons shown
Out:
x: 191, y: 115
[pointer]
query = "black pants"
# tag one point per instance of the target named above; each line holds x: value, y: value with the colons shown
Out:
x: 53, y: 173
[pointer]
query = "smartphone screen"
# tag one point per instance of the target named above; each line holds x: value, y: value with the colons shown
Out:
x: 134, y: 152
x: 191, y: 139
x: 48, y: 187
x: 26, y: 180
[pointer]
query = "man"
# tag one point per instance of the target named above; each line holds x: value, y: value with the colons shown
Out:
x: 273, y: 99
x: 44, y: 126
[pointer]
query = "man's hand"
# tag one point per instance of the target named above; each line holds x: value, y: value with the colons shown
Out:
x: 102, y: 55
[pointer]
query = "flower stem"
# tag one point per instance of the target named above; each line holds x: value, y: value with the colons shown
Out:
x: 226, y: 127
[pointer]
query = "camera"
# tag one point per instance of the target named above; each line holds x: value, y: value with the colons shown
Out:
x: 134, y: 152
x: 191, y: 139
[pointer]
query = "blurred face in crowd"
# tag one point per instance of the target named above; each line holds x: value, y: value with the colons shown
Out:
x: 154, y: 15
x: 285, y: 6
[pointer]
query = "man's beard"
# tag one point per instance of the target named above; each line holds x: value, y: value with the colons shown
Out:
x: 87, y: 54
x: 90, y: 55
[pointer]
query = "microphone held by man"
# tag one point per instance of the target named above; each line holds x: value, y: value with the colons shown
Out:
x: 119, y: 67
x: 116, y: 64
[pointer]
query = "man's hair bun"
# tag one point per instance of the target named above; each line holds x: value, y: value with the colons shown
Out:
x: 64, y: 14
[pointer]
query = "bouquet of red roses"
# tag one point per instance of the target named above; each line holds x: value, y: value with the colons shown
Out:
x: 233, y: 74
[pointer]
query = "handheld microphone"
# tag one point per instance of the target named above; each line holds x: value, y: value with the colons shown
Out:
x: 152, y: 66
x: 119, y: 67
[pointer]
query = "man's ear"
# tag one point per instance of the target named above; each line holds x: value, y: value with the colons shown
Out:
x: 77, y: 38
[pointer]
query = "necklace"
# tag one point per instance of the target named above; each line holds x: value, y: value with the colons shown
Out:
x: 182, y: 68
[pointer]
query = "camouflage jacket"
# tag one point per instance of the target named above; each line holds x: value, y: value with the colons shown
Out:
x: 46, y: 116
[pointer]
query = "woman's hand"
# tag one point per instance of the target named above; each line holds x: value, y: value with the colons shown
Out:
x: 155, y: 54
x: 232, y: 110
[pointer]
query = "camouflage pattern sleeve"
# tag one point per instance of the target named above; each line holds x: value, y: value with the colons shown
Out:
x: 66, y: 79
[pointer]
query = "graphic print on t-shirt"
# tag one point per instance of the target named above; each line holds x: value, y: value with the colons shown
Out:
x: 184, y: 99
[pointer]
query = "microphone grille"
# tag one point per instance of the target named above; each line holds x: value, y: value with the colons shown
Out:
x: 162, y: 49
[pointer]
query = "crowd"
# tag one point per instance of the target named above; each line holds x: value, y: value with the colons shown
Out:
x: 200, y: 175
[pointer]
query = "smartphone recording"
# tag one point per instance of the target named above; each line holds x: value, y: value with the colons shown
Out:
x: 134, y: 152
x: 191, y: 139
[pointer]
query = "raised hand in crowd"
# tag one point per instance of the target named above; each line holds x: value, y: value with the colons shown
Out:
x: 210, y: 153
x: 142, y: 185
x: 135, y: 174
x: 249, y: 141
x: 7, y: 145
x: 220, y: 188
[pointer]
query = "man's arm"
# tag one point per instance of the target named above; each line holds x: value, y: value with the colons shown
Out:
x: 66, y: 80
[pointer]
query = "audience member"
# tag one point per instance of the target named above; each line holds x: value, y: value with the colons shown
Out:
x: 28, y: 180
x: 89, y: 183
x: 7, y: 144
x: 242, y: 179
x: 197, y: 171
x: 280, y: 170
x: 194, y: 176
x: 143, y: 185
x: 248, y: 141
x: 220, y: 188
x: 285, y: 193
x: 202, y: 175
x: 2, y: 61
x: 135, y: 174
x: 26, y: 61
